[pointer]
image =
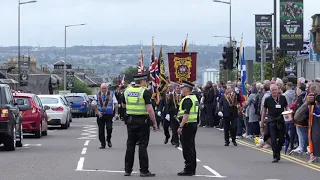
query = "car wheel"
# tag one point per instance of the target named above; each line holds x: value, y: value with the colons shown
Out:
x: 38, y: 134
x: 20, y: 142
x: 86, y: 114
x: 45, y: 133
x: 65, y: 126
x: 10, y: 142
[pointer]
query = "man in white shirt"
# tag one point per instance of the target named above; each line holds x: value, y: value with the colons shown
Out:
x: 106, y: 108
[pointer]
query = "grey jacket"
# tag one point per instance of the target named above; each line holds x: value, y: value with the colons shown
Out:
x: 253, y: 117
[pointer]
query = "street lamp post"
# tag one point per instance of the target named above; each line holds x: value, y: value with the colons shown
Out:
x: 230, y: 27
x: 19, y: 4
x: 65, y: 54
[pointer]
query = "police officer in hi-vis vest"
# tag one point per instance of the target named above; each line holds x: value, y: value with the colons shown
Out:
x: 106, y: 107
x: 188, y: 115
x: 138, y: 106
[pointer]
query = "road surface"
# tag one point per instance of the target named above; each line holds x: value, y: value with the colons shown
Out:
x: 74, y: 154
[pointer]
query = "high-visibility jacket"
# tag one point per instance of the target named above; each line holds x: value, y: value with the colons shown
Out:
x: 193, y: 111
x: 135, y: 103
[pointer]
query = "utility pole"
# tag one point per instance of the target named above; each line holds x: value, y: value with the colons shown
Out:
x: 263, y: 59
x: 275, y: 61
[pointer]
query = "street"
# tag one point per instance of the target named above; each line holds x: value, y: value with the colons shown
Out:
x: 74, y: 154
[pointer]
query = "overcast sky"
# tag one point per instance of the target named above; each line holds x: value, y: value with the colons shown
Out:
x: 123, y: 22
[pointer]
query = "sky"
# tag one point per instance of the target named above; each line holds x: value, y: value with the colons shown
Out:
x: 127, y: 22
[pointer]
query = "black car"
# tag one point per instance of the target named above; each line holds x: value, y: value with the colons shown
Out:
x: 11, y: 135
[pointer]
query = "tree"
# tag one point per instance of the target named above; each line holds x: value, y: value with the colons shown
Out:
x: 268, y: 71
x: 129, y: 72
x: 80, y: 87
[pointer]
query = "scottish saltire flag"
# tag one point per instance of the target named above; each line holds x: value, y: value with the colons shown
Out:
x: 243, y: 73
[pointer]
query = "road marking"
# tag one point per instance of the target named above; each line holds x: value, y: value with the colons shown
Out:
x: 198, y: 160
x: 86, y: 143
x: 80, y: 164
x: 23, y: 147
x: 213, y: 172
x: 134, y: 172
x: 52, y: 130
x: 28, y: 145
x: 108, y: 171
x: 286, y: 157
x: 84, y: 151
x: 89, y: 132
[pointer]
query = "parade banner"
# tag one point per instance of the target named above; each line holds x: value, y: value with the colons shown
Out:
x: 182, y: 66
x: 263, y: 29
x: 291, y: 25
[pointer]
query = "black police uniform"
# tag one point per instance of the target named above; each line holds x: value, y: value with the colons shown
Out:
x: 138, y: 127
x: 188, y: 139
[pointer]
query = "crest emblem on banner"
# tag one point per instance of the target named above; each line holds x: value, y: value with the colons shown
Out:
x: 183, y: 66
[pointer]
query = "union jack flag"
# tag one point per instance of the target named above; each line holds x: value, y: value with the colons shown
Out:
x: 154, y: 73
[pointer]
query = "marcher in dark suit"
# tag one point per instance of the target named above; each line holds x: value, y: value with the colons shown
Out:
x: 173, y: 104
x: 228, y: 110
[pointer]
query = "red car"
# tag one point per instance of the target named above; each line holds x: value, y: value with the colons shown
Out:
x: 34, y: 116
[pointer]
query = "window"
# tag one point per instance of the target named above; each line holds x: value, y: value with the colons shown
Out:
x: 75, y: 98
x: 23, y: 102
x: 49, y: 100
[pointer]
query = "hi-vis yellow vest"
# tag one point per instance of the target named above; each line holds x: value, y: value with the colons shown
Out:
x: 193, y: 111
x: 135, y: 103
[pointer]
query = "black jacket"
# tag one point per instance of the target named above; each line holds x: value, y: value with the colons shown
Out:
x: 228, y: 110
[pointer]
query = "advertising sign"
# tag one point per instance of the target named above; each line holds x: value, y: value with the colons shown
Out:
x: 291, y: 25
x: 263, y: 30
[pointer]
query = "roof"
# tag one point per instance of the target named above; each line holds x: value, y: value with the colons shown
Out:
x: 48, y: 95
x: 37, y: 83
x: 8, y: 81
x: 61, y: 62
x: 23, y: 94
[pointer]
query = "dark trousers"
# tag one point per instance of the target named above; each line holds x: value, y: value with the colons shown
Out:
x: 230, y: 127
x: 166, y: 127
x: 105, y: 122
x: 209, y: 114
x: 175, y: 126
x: 277, y: 137
x: 255, y: 128
x: 188, y: 147
x: 292, y: 134
x: 138, y: 131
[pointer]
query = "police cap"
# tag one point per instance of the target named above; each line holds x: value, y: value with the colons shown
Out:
x: 186, y: 84
x: 140, y: 77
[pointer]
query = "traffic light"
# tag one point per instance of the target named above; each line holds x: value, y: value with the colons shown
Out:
x: 224, y: 58
x: 229, y: 56
x: 238, y: 54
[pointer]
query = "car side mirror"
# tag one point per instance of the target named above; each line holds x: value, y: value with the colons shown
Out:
x: 46, y: 107
x: 71, y: 103
x: 15, y: 103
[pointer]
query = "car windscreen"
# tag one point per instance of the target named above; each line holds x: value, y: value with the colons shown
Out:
x: 23, y: 103
x: 49, y: 100
x: 74, y: 98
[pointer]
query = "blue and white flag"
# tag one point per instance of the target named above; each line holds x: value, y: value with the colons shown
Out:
x: 243, y: 73
x: 313, y: 57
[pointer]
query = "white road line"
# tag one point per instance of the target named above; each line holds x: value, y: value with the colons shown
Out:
x: 198, y: 160
x: 86, y: 138
x: 108, y: 171
x: 84, y: 151
x: 25, y: 145
x: 80, y: 164
x: 86, y: 143
x: 208, y: 176
x: 213, y: 171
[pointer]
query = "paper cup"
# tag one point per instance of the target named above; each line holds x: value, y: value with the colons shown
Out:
x: 287, y: 116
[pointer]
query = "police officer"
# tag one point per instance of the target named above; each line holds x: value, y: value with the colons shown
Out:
x: 138, y: 106
x: 188, y: 114
x: 106, y: 107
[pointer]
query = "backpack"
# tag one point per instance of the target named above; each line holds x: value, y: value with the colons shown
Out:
x: 256, y: 103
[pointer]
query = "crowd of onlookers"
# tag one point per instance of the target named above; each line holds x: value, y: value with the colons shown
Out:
x: 251, y: 107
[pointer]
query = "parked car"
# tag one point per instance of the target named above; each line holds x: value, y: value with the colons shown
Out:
x: 81, y: 104
x: 34, y: 116
x: 68, y: 107
x: 58, y: 114
x: 11, y: 135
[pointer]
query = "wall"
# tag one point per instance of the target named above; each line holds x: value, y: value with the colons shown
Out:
x: 307, y: 69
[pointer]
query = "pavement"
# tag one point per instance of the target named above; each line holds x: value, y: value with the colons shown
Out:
x: 74, y: 154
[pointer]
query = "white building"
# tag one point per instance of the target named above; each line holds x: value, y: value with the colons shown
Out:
x: 210, y: 75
